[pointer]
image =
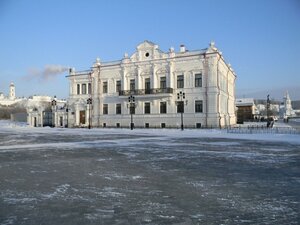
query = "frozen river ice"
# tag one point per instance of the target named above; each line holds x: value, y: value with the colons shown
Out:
x: 76, y: 176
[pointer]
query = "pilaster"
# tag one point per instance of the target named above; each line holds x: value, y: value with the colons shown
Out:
x: 170, y: 78
x: 154, y: 77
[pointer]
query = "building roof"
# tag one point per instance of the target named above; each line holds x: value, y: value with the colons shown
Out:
x: 244, y: 102
x: 156, y: 55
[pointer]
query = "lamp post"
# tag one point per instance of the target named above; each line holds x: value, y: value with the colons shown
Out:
x: 89, y: 103
x: 180, y: 98
x: 67, y: 111
x: 131, y: 101
x: 268, y: 108
x: 53, y: 103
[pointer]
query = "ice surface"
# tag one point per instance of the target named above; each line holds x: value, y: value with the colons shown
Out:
x: 119, y: 176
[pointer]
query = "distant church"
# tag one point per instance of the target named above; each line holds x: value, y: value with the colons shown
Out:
x: 11, y: 98
x: 286, y: 110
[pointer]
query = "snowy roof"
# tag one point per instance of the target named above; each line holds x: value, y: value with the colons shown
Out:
x: 244, y: 102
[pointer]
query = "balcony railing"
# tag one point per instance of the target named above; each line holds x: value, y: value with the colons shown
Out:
x: 152, y: 91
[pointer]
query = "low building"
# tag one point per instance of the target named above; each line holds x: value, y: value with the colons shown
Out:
x: 296, y: 107
x: 273, y: 110
x: 46, y: 111
x: 246, y: 110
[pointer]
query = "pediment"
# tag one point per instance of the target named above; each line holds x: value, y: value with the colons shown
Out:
x: 146, y: 45
x: 147, y: 50
x: 162, y: 70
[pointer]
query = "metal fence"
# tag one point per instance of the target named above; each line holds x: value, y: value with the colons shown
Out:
x: 263, y: 130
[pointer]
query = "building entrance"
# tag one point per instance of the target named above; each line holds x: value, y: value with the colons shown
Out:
x: 82, y: 117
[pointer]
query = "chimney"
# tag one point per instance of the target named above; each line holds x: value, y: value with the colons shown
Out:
x: 182, y: 48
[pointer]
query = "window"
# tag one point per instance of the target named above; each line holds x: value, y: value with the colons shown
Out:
x: 78, y: 89
x: 132, y: 85
x: 105, y: 108
x: 147, y: 86
x: 180, y: 107
x: 89, y: 88
x: 118, y: 109
x: 118, y: 86
x: 180, y: 81
x: 105, y: 87
x: 198, y: 125
x: 83, y: 89
x: 198, y: 80
x: 147, y: 108
x: 198, y: 106
x: 163, y: 83
x: 163, y: 107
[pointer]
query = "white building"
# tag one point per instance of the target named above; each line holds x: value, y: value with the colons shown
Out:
x: 261, y: 107
x: 203, y: 80
x: 46, y: 111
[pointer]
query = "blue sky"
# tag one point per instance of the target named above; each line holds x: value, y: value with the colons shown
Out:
x: 260, y: 38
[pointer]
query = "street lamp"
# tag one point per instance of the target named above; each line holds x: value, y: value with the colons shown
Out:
x: 53, y: 103
x: 268, y: 108
x: 89, y: 103
x: 67, y: 111
x: 131, y: 101
x: 181, y: 97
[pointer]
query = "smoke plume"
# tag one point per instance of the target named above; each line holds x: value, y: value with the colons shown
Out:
x: 49, y: 72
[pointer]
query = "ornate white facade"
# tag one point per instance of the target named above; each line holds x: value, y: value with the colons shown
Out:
x: 154, y: 78
x: 46, y: 111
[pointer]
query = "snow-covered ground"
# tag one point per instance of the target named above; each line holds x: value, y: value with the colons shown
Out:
x: 119, y: 176
x: 211, y: 133
x: 296, y: 120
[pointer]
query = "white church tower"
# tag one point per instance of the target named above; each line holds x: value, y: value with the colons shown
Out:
x: 287, y: 108
x: 12, y: 91
x: 11, y: 98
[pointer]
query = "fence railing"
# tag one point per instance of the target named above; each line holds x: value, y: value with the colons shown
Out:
x: 263, y: 130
